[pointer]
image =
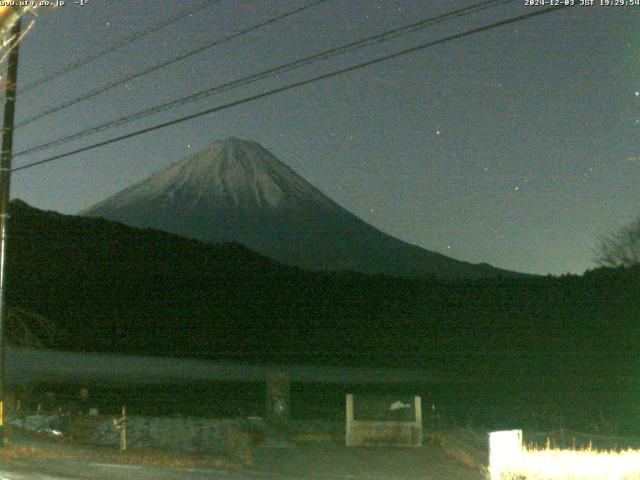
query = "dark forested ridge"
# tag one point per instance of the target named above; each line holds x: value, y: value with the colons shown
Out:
x: 112, y: 288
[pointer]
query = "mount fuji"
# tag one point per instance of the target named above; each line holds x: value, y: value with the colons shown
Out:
x: 236, y: 190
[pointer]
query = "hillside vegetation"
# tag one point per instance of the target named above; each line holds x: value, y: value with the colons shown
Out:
x: 568, y: 340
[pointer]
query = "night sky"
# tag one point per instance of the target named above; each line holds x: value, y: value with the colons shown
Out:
x: 518, y: 146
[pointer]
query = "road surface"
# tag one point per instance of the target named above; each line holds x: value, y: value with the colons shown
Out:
x: 301, y: 462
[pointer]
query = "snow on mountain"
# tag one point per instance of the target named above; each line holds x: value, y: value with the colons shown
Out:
x: 236, y: 190
x: 231, y: 173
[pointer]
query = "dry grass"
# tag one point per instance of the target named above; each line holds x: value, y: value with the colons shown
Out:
x: 240, y: 446
x: 462, y: 446
x: 556, y: 464
x: 136, y: 456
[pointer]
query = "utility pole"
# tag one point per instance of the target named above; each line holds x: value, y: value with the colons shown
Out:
x: 5, y: 184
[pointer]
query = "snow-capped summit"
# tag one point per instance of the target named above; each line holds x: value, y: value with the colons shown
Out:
x: 236, y: 190
x: 232, y: 173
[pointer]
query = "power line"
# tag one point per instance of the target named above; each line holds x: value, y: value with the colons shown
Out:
x: 158, y: 66
x: 117, y: 45
x: 274, y: 71
x: 291, y: 86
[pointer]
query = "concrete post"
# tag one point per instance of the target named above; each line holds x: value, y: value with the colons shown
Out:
x: 505, y: 449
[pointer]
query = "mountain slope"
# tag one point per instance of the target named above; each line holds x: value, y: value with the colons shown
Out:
x: 238, y: 191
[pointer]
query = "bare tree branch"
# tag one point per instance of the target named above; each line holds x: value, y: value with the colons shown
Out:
x: 621, y: 248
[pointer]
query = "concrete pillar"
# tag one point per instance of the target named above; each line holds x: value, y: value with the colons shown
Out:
x: 505, y: 449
